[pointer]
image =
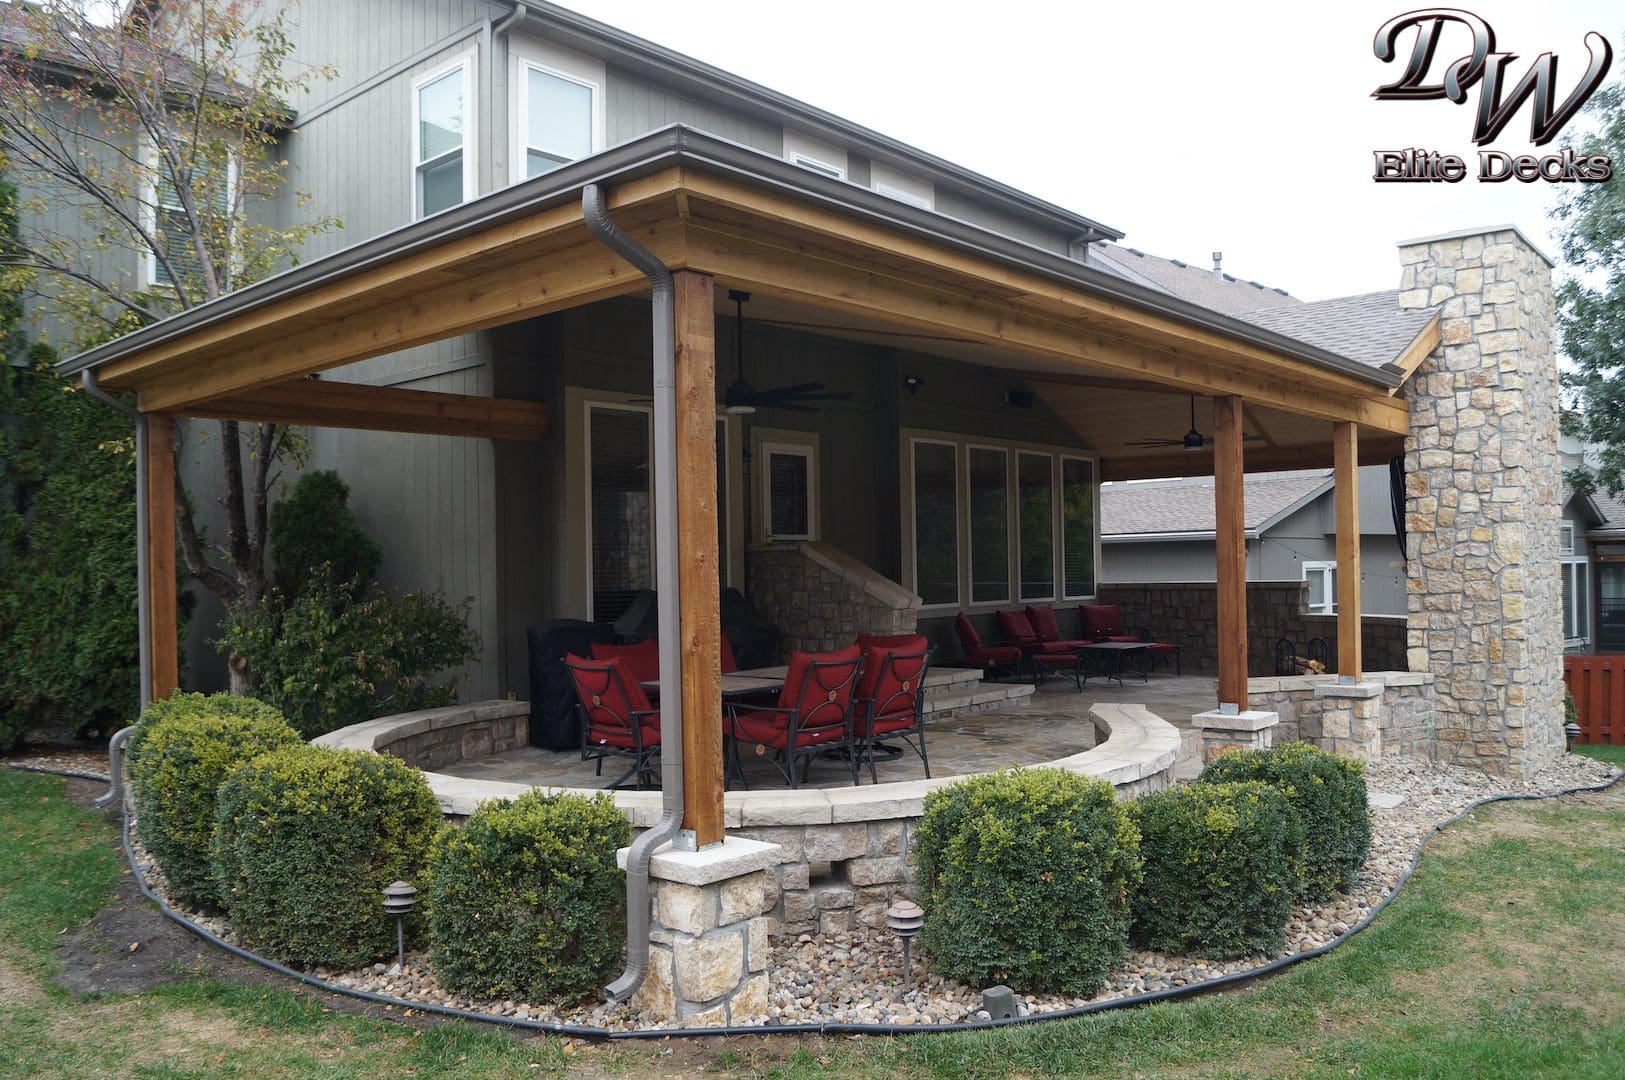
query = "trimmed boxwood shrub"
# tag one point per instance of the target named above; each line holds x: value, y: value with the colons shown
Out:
x: 526, y: 900
x: 1025, y: 876
x: 181, y: 751
x: 1223, y: 863
x: 306, y: 840
x: 1328, y: 792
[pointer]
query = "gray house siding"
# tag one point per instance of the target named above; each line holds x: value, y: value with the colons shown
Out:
x: 637, y: 108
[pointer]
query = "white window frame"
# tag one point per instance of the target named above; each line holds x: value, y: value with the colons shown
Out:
x: 899, y: 185
x: 1565, y: 538
x: 816, y: 155
x: 790, y: 444
x: 470, y: 144
x: 587, y: 408
x: 1010, y: 555
x: 149, y: 216
x: 1054, y: 525
x: 1060, y: 522
x: 1575, y: 567
x: 961, y: 554
x: 559, y: 64
x: 1329, y: 589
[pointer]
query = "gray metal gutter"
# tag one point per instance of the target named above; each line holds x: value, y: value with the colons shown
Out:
x: 678, y: 144
x: 667, y: 586
x: 642, y: 57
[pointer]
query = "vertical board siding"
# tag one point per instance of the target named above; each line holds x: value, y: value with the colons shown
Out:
x: 1598, y: 686
x: 637, y: 108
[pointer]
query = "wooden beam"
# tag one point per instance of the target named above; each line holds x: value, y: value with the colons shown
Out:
x: 855, y: 289
x: 1417, y: 351
x: 1092, y: 382
x: 1346, y: 443
x: 164, y: 647
x: 698, y: 555
x: 326, y: 403
x: 1258, y: 427
x: 1373, y: 451
x: 1230, y: 541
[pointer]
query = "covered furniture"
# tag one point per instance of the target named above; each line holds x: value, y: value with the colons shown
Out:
x: 813, y: 714
x: 1104, y: 622
x: 995, y: 659
x: 554, y: 723
x: 616, y: 719
x: 890, y: 701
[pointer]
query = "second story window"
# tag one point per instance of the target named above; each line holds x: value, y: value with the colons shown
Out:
x: 557, y: 119
x: 210, y: 187
x: 440, y: 131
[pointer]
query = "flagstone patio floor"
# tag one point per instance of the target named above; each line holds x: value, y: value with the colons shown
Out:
x: 1054, y: 723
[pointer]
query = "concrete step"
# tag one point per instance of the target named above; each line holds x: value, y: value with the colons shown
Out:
x: 962, y: 699
x: 1188, y: 766
x: 957, y: 677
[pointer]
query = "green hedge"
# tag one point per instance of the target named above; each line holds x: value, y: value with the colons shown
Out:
x: 1025, y: 877
x: 526, y: 900
x: 306, y: 840
x: 181, y: 752
x: 1328, y: 792
x: 1223, y: 864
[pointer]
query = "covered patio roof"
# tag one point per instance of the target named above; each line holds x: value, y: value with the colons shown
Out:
x: 1115, y: 358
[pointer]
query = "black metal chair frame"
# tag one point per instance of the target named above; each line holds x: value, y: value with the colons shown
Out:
x: 876, y: 708
x: 785, y: 759
x: 644, y: 766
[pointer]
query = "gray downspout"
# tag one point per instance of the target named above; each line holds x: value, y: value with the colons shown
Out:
x: 143, y: 597
x: 492, y: 39
x: 666, y: 583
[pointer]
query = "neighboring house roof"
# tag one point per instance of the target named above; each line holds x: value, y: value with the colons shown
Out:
x: 1183, y: 509
x: 1371, y: 328
x: 1610, y: 511
x: 1219, y: 291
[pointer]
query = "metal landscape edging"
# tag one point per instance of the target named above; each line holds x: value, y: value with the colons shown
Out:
x: 1172, y: 993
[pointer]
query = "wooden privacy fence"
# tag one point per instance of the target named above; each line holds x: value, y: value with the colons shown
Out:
x: 1598, y: 686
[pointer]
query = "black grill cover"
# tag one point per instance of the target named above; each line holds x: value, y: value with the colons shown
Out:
x: 553, y: 719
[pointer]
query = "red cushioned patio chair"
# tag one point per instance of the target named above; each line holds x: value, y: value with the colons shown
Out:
x: 814, y: 714
x: 616, y: 719
x: 1046, y: 659
x: 1104, y: 622
x: 995, y: 659
x: 890, y: 701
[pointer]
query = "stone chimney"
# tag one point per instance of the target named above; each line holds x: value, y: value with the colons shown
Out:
x: 1483, y: 499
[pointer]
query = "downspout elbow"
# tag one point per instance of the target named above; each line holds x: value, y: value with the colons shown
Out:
x: 602, y: 226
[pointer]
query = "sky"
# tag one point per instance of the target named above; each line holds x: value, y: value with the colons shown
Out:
x: 1245, y: 127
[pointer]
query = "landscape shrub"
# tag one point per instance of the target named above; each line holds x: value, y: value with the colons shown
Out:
x: 1223, y: 864
x: 526, y: 900
x: 181, y: 752
x: 339, y: 654
x: 1328, y: 792
x: 1025, y: 876
x: 306, y: 840
x: 313, y: 527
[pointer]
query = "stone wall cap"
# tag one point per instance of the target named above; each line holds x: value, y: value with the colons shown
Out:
x: 1283, y: 683
x: 1483, y: 230
x: 1401, y: 678
x: 1247, y: 720
x: 856, y: 572
x: 1349, y: 690
x: 735, y: 857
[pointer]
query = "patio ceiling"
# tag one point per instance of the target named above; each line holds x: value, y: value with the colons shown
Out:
x: 1114, y: 359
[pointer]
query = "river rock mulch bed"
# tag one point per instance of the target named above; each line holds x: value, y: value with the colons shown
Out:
x: 858, y: 977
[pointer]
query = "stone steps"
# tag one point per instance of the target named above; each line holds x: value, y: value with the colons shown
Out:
x: 962, y: 697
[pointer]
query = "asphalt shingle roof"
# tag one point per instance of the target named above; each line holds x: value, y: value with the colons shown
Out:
x: 1371, y: 328
x: 1221, y: 292
x: 1186, y: 505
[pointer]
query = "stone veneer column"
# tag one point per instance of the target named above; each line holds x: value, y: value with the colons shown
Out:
x: 708, y: 938
x: 1483, y: 500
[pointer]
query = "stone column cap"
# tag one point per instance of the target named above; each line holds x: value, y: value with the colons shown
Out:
x: 1247, y: 720
x: 1481, y: 230
x: 734, y: 857
x: 1349, y: 690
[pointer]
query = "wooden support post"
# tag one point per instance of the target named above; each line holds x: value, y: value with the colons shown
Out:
x: 1231, y: 543
x: 1346, y: 449
x: 164, y: 646
x: 700, y: 603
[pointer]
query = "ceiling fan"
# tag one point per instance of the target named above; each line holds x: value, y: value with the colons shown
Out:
x: 742, y: 398
x: 1193, y: 440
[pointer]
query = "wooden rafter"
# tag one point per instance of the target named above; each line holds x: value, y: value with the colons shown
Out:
x: 1420, y: 348
x: 323, y: 403
x: 1374, y: 450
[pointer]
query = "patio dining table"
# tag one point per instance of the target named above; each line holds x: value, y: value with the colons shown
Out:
x: 738, y: 684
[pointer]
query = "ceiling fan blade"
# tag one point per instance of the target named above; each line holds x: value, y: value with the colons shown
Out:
x: 830, y: 395
x: 787, y: 406
x: 798, y: 388
x: 1155, y: 442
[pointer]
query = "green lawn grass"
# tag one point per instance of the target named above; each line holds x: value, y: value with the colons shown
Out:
x: 1614, y: 755
x: 1498, y: 960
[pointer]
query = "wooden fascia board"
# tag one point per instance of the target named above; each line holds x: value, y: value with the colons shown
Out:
x: 1420, y: 348
x: 503, y: 245
x: 1375, y: 449
x: 825, y: 281
x: 1035, y: 290
x: 324, y: 403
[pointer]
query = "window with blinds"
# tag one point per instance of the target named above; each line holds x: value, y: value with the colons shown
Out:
x: 1035, y: 501
x: 936, y: 522
x: 790, y: 485
x: 173, y: 226
x: 1576, y: 595
x: 621, y: 508
x: 989, y: 525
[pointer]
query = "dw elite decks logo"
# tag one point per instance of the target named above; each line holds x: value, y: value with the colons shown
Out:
x: 1498, y: 101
